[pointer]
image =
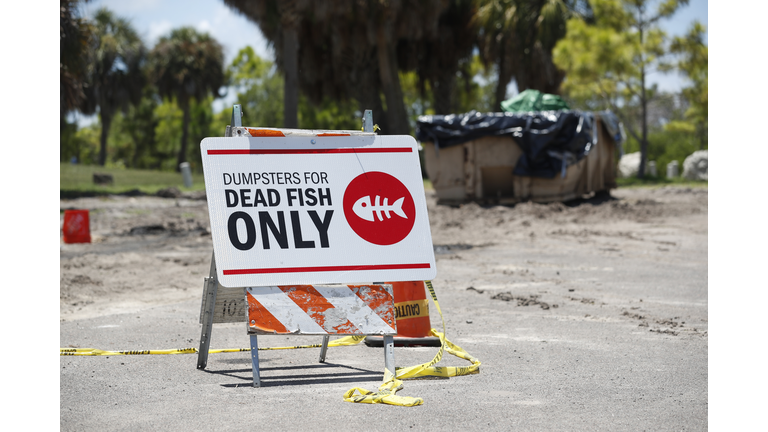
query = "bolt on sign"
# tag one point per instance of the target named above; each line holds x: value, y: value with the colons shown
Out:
x: 317, y: 209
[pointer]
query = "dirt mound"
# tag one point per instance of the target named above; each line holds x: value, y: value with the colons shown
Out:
x: 474, y: 224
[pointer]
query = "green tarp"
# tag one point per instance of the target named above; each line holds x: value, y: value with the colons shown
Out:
x: 534, y: 100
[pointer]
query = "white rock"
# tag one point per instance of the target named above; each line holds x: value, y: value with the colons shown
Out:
x: 629, y: 165
x: 695, y: 166
x: 672, y: 169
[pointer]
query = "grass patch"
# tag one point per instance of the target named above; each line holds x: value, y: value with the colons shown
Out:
x: 77, y: 180
x: 649, y: 181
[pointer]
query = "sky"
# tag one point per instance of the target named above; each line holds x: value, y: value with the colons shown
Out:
x: 155, y: 18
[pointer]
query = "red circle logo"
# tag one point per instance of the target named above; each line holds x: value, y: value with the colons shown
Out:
x: 379, y: 208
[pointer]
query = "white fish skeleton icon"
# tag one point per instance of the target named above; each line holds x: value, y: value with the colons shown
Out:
x: 365, y: 210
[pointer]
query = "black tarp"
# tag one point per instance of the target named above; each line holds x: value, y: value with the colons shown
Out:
x: 550, y: 140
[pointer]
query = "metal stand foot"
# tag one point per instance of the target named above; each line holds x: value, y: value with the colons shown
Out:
x: 255, y: 361
x: 389, y: 354
x: 209, y: 303
x: 324, y: 348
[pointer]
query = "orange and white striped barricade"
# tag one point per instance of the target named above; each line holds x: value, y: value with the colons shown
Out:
x: 294, y: 211
x: 320, y: 310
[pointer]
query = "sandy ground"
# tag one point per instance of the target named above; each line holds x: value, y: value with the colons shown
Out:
x: 149, y: 251
x: 591, y: 315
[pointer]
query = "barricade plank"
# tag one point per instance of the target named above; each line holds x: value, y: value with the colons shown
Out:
x: 230, y: 306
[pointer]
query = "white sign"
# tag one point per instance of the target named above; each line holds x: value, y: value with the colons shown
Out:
x: 317, y: 209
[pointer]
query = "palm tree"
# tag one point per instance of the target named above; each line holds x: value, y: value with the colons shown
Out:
x: 115, y: 78
x: 438, y: 57
x: 518, y: 36
x: 289, y: 21
x: 74, y: 39
x: 497, y: 18
x: 187, y: 65
x: 280, y: 21
x: 347, y: 48
x: 693, y: 63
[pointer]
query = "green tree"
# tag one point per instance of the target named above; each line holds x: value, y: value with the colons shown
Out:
x: 115, y: 78
x: 349, y: 49
x: 613, y: 58
x: 289, y: 23
x: 473, y: 89
x: 74, y: 38
x: 280, y: 21
x: 84, y: 143
x: 442, y: 61
x: 518, y: 36
x: 170, y: 119
x: 329, y: 114
x: 259, y: 89
x: 187, y: 66
x: 139, y: 124
x: 693, y: 65
x: 476, y: 87
x: 202, y: 126
x: 665, y: 145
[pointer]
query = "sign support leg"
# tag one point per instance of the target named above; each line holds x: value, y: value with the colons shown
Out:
x: 389, y: 353
x: 211, y: 286
x: 324, y: 348
x: 368, y: 121
x: 237, y: 116
x: 211, y: 283
x: 255, y: 361
x: 388, y: 341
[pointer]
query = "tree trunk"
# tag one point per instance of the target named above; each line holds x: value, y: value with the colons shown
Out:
x: 505, y: 76
x: 369, y: 99
x: 644, y: 129
x: 442, y: 91
x: 185, y: 106
x: 365, y: 82
x: 289, y: 21
x: 291, y: 82
x: 643, y: 113
x: 137, y: 151
x: 106, y: 122
x: 390, y: 80
x: 545, y: 77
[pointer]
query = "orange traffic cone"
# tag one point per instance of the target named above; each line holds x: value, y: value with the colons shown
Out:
x: 77, y: 227
x: 411, y: 316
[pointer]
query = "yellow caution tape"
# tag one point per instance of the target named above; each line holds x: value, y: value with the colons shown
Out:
x: 385, y: 395
x: 98, y: 352
x: 392, y: 383
x: 387, y: 390
x: 344, y: 341
x: 411, y: 309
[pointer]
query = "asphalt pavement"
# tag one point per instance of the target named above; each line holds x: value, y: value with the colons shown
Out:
x: 597, y: 341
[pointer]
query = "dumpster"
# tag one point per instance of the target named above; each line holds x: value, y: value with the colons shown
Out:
x: 510, y: 157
